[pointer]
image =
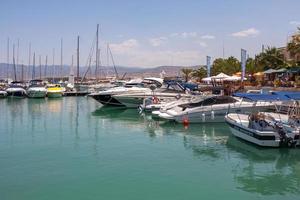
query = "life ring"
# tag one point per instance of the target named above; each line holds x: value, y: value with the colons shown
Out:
x: 155, y: 100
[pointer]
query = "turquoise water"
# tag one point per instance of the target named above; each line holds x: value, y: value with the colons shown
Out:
x: 70, y: 149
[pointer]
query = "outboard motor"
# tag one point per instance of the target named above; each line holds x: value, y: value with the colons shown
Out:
x: 285, y: 139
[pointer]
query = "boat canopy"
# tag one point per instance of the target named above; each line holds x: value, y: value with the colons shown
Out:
x: 262, y: 97
x: 293, y: 95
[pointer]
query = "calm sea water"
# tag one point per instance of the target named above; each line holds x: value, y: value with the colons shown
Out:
x: 70, y: 149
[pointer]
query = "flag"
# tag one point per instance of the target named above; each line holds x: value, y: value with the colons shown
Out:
x: 208, y: 58
x: 243, y: 62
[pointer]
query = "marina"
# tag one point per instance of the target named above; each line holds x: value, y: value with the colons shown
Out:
x: 154, y: 100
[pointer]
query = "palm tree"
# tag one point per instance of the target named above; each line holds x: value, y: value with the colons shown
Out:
x: 187, y: 72
x: 271, y: 58
x: 199, y: 74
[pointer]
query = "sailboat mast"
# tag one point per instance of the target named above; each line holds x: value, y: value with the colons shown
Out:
x: 18, y: 46
x: 97, y: 51
x: 61, y: 57
x: 14, y: 64
x: 22, y: 72
x: 7, y: 68
x: 46, y: 62
x: 29, y: 59
x: 53, y: 54
x: 40, y: 66
x: 33, y: 66
x: 78, y: 57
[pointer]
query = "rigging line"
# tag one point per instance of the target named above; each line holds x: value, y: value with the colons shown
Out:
x: 89, y: 58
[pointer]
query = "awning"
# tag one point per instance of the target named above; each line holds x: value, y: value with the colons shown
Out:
x: 294, y: 70
x: 270, y: 71
x: 293, y: 95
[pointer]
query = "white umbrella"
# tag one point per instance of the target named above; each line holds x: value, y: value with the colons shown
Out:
x: 233, y: 78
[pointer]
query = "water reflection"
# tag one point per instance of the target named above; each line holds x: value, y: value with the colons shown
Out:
x: 256, y: 170
x: 265, y: 171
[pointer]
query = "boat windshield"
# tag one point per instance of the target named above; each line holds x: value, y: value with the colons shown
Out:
x: 210, y: 101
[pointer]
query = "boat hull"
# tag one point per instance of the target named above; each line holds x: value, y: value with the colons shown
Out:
x: 252, y: 136
x: 54, y: 94
x: 107, y: 100
x: 16, y: 93
x: 3, y: 94
x: 36, y: 93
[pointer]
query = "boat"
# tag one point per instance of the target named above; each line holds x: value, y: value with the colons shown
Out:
x: 263, y: 129
x: 36, y: 89
x: 212, y: 109
x: 3, y: 94
x: 54, y: 91
x: 134, y: 100
x: 107, y: 98
x: 16, y: 89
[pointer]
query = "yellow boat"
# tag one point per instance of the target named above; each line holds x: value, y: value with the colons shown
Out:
x: 55, y: 91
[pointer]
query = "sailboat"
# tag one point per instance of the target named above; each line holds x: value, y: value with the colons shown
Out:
x: 16, y: 88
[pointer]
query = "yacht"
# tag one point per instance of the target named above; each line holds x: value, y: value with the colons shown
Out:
x: 212, y: 109
x: 135, y: 100
x: 36, y: 89
x: 264, y: 129
x: 16, y: 89
x: 54, y: 90
x: 107, y: 97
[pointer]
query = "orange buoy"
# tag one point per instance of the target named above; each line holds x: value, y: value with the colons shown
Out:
x: 185, y: 121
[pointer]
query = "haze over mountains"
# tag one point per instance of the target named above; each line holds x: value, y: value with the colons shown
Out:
x: 102, y: 71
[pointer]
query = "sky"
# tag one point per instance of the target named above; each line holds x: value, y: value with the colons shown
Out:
x: 145, y: 33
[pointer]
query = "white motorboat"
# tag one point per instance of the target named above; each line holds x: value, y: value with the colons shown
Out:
x: 212, y: 109
x: 264, y: 129
x: 182, y: 101
x: 16, y: 89
x: 36, y: 89
x: 106, y: 97
x: 134, y: 100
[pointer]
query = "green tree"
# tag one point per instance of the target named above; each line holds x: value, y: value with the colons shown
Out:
x: 270, y: 58
x: 199, y: 74
x: 187, y: 73
x: 228, y: 66
x: 252, y: 67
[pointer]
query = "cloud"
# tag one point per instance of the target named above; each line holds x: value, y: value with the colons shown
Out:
x: 246, y: 33
x: 168, y: 57
x: 294, y: 23
x: 202, y: 44
x: 125, y: 46
x: 208, y: 37
x: 157, y: 41
x: 184, y: 35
